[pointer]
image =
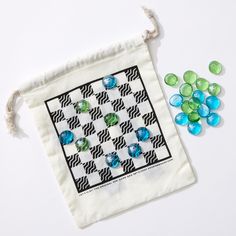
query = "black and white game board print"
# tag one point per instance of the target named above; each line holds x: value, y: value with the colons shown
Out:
x: 131, y: 103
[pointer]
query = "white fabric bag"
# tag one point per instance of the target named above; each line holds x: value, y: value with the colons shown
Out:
x: 92, y: 189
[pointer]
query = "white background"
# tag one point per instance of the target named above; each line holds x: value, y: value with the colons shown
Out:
x: 37, y: 36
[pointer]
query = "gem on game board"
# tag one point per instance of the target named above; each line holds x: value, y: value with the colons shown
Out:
x: 194, y: 104
x: 213, y: 102
x: 82, y: 106
x: 66, y: 137
x: 198, y: 95
x: 112, y: 160
x: 203, y: 111
x: 190, y: 77
x: 214, y: 89
x: 111, y: 119
x: 176, y: 100
x: 109, y: 82
x: 193, y: 117
x: 213, y: 119
x: 202, y: 84
x: 181, y: 119
x: 142, y: 134
x: 186, y: 108
x: 82, y: 144
x: 186, y: 90
x: 171, y: 79
x: 215, y: 67
x: 134, y: 150
x: 194, y: 128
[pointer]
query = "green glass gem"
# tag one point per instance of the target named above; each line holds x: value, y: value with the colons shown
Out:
x: 215, y: 67
x: 82, y: 106
x: 171, y: 79
x: 214, y: 89
x: 186, y: 90
x: 194, y: 103
x: 190, y: 77
x: 193, y: 117
x: 202, y: 84
x: 82, y: 144
x: 186, y: 108
x: 111, y: 119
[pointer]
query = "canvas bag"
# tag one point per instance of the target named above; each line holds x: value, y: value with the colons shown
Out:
x: 92, y: 189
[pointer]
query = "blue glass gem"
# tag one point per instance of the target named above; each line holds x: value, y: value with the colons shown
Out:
x: 176, y: 100
x: 203, y: 111
x: 134, y: 150
x: 213, y: 119
x: 194, y: 128
x: 199, y: 96
x: 213, y: 102
x: 66, y: 137
x: 112, y: 160
x: 181, y: 119
x: 142, y: 134
x: 109, y: 82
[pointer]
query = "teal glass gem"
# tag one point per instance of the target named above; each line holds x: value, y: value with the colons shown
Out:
x: 181, y: 119
x: 202, y: 84
x: 198, y: 95
x: 190, y: 77
x: 66, y: 137
x: 109, y: 82
x: 111, y: 119
x: 176, y: 100
x: 82, y: 144
x: 214, y: 89
x: 112, y: 160
x: 203, y: 111
x: 186, y: 90
x: 213, y: 119
x: 134, y: 150
x: 82, y: 106
x: 171, y: 79
x: 142, y: 134
x: 215, y: 67
x: 194, y: 128
x: 213, y: 102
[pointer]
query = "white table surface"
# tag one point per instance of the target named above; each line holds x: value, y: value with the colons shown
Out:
x: 37, y: 36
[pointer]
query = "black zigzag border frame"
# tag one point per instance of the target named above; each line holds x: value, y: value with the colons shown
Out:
x: 134, y: 170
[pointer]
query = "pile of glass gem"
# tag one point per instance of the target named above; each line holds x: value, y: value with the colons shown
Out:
x: 197, y: 98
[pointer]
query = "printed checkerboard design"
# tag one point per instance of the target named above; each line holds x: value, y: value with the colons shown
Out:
x: 131, y: 103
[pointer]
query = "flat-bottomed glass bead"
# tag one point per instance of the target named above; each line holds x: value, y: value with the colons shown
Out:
x: 171, y: 79
x: 213, y: 119
x: 194, y: 104
x: 194, y: 117
x: 186, y: 90
x: 176, y: 100
x: 214, y: 89
x: 142, y: 134
x: 82, y: 106
x: 134, y: 150
x: 112, y: 160
x: 66, y: 137
x: 190, y: 77
x: 109, y: 82
x: 181, y: 119
x: 203, y: 111
x: 198, y: 95
x: 215, y: 67
x: 202, y: 84
x: 111, y: 119
x: 82, y: 144
x: 194, y: 128
x: 213, y: 102
x: 186, y: 108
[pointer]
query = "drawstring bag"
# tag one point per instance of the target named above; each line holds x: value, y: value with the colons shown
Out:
x: 107, y: 130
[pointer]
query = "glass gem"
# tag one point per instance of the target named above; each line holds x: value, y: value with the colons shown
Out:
x: 66, y: 137
x: 202, y: 84
x: 111, y: 119
x: 194, y: 128
x: 203, y: 111
x: 194, y: 117
x: 213, y: 102
x: 142, y: 134
x: 194, y: 104
x: 109, y: 82
x: 215, y: 67
x: 82, y: 106
x: 213, y: 119
x: 112, y: 160
x: 181, y: 119
x: 214, y: 89
x: 190, y: 77
x: 198, y: 95
x: 186, y: 108
x: 82, y: 144
x: 134, y: 150
x: 176, y: 100
x: 171, y: 79
x: 186, y: 90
